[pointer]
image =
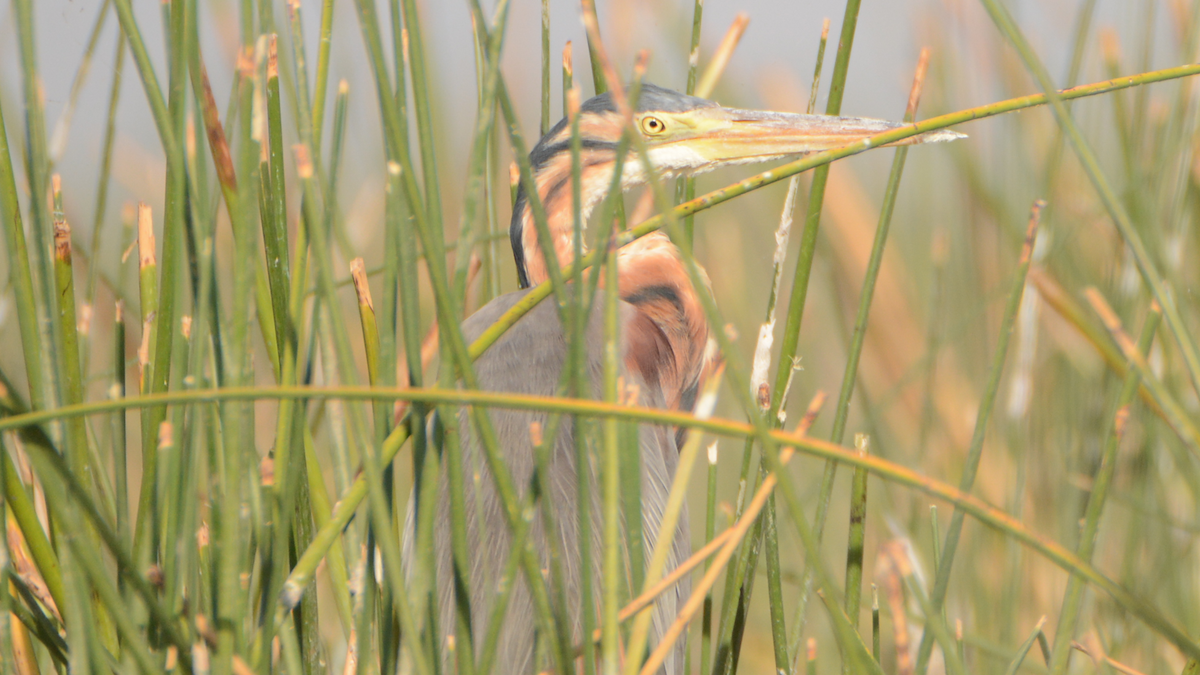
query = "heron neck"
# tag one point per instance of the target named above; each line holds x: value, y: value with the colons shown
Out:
x: 554, y: 189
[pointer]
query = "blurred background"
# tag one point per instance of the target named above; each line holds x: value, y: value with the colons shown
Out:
x: 960, y: 215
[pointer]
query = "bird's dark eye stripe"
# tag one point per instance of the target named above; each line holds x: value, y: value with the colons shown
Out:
x: 514, y: 237
x: 652, y: 293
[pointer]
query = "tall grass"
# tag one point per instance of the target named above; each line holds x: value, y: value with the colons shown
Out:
x: 254, y: 520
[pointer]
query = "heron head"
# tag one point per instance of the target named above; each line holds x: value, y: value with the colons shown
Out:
x: 688, y: 135
x: 684, y: 135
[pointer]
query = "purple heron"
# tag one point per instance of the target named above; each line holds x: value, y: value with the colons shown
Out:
x: 664, y: 348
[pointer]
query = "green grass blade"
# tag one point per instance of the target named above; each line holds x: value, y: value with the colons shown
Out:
x: 1073, y: 597
x: 21, y: 272
x: 937, y: 596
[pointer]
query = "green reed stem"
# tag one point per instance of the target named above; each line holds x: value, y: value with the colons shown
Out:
x: 476, y: 193
x: 144, y: 526
x: 771, y: 534
x: 1019, y: 658
x: 65, y: 491
x: 389, y: 545
x: 322, y: 85
x: 937, y: 597
x: 532, y: 196
x: 421, y: 106
x: 407, y: 279
x: 770, y: 531
x: 710, y: 523
x: 935, y: 623
x: 21, y: 506
x: 796, y: 301
x: 598, y: 81
x: 453, y: 454
x: 171, y: 267
x: 382, y: 412
x: 850, y: 376
x: 1087, y: 158
x: 37, y: 170
x: 611, y: 484
x: 320, y: 511
x: 273, y: 212
x: 858, y: 532
x: 853, y: 648
x: 686, y: 190
x: 304, y: 119
x: 803, y: 271
x: 876, y: 636
x: 20, y: 273
x: 580, y: 387
x: 82, y: 649
x: 119, y: 440
x: 1177, y: 419
x: 132, y: 637
x: 236, y: 419
x: 280, y: 276
x: 1073, y: 598
x: 70, y: 374
x: 1083, y: 27
x: 169, y: 123
x: 29, y: 614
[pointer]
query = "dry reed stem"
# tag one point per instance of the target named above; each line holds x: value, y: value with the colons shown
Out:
x: 890, y: 569
x: 143, y: 352
x: 1096, y: 653
x: 759, y: 387
x: 1177, y: 418
x: 217, y: 142
x: 720, y: 59
x: 1053, y: 293
x: 26, y: 569
x: 358, y: 273
x: 350, y: 667
x: 914, y: 94
x: 145, y: 240
x: 304, y: 165
x: 737, y: 533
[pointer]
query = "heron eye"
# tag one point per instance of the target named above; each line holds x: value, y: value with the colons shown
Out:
x: 653, y: 126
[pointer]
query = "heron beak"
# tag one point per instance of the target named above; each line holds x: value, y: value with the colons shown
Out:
x: 732, y: 136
